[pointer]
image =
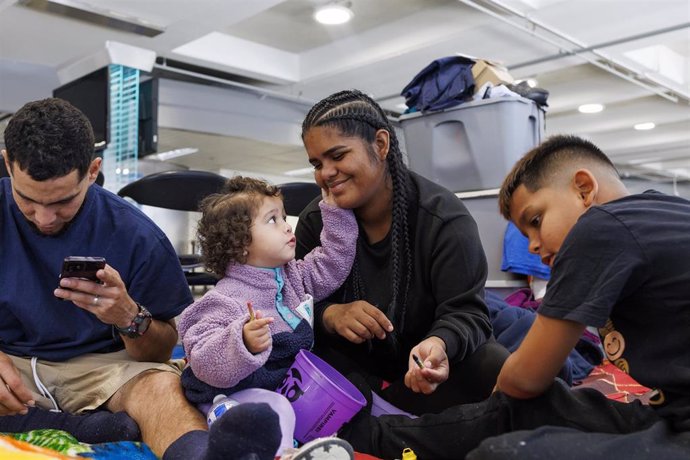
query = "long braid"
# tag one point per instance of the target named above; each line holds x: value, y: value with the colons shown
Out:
x: 354, y: 113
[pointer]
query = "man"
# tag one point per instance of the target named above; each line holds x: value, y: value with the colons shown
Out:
x: 81, y: 345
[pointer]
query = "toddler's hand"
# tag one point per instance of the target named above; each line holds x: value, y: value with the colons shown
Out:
x: 327, y: 197
x: 256, y: 334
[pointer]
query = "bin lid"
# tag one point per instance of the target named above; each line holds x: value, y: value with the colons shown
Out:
x: 468, y: 105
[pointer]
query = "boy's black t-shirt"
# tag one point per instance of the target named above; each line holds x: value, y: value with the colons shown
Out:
x: 629, y: 260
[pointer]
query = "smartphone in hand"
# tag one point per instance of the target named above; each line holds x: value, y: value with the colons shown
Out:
x: 82, y: 267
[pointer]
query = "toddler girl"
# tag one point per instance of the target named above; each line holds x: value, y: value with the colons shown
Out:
x: 246, y: 331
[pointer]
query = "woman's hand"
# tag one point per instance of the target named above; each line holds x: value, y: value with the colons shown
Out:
x: 356, y: 321
x: 432, y: 354
x: 256, y: 334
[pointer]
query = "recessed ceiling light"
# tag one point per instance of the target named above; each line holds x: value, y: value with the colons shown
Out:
x: 333, y: 14
x: 644, y: 126
x: 590, y: 108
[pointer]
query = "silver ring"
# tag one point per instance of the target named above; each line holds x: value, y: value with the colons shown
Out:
x: 96, y: 299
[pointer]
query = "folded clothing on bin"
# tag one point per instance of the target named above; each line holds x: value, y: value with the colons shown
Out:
x: 444, y: 83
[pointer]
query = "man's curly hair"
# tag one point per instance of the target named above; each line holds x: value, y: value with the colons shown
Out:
x: 49, y: 138
x: 224, y: 230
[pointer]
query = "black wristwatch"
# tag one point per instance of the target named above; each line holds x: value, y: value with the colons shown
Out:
x: 139, y: 325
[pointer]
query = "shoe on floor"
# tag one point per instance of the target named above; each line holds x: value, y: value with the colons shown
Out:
x: 329, y: 448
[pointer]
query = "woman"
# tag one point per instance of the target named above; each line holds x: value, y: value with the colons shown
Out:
x: 416, y: 289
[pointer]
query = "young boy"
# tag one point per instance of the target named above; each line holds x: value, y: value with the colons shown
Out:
x: 620, y: 262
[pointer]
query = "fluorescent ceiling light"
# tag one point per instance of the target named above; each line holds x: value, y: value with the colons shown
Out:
x: 175, y: 153
x: 644, y: 126
x: 590, y: 108
x: 333, y: 14
x: 643, y: 160
x: 300, y: 171
x: 662, y: 60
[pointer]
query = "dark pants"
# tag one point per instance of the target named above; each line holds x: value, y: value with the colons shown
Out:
x: 470, y: 380
x: 457, y: 431
x: 657, y: 442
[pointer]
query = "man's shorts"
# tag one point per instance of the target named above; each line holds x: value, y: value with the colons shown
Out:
x: 85, y: 382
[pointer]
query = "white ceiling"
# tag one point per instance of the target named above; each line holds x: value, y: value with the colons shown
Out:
x: 275, y: 45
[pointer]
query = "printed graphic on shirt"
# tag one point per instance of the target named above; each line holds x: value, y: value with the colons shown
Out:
x: 614, y: 346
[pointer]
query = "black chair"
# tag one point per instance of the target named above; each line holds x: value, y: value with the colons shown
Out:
x: 297, y: 195
x: 180, y: 190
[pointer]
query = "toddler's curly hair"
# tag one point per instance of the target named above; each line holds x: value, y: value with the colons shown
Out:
x: 224, y: 230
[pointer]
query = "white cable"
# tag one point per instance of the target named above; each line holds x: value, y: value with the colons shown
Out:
x: 41, y: 387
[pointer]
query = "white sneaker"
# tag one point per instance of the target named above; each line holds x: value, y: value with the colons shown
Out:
x: 329, y: 448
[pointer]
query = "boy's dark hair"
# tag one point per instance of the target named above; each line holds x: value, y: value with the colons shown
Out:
x: 354, y: 113
x: 48, y: 139
x: 224, y: 230
x: 539, y: 165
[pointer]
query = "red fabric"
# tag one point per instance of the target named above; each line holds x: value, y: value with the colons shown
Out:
x: 616, y: 384
x: 359, y: 456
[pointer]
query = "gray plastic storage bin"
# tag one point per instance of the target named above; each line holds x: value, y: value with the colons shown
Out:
x: 472, y: 146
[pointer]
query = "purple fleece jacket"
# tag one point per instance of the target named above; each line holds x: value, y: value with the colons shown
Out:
x: 211, y: 328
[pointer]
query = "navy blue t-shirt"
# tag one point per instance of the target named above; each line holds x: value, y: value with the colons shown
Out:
x: 33, y: 322
x: 629, y: 261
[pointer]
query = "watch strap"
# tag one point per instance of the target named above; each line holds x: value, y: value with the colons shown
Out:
x: 139, y: 325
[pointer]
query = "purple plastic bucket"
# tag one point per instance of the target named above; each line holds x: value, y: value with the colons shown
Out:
x: 323, y: 400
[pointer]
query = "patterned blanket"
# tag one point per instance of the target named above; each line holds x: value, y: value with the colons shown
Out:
x: 57, y: 444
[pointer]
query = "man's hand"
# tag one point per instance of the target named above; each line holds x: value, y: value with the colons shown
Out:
x: 356, y: 321
x: 109, y: 301
x: 256, y: 333
x: 432, y: 354
x: 14, y: 395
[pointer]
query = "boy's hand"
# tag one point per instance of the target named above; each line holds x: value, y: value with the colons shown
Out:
x: 256, y: 333
x: 432, y: 354
x: 327, y: 197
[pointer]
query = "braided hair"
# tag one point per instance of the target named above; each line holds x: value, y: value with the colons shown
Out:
x: 354, y: 113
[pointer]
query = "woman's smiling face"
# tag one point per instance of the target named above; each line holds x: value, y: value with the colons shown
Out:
x: 351, y: 169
